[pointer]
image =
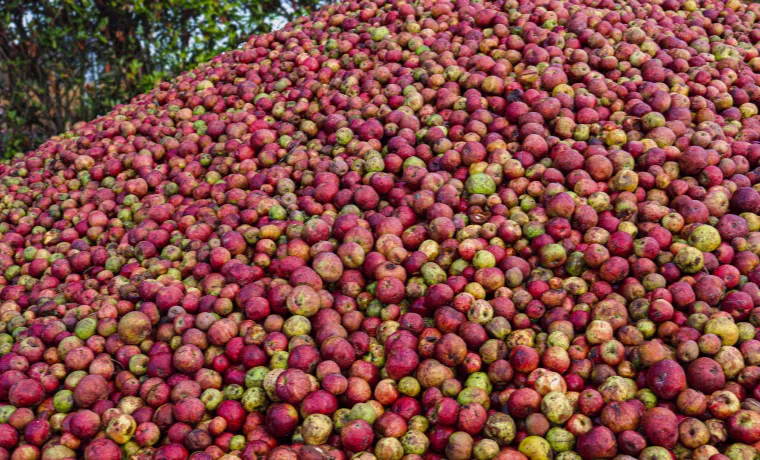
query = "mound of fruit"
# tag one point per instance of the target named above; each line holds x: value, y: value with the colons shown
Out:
x: 427, y: 229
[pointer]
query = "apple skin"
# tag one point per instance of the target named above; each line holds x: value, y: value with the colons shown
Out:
x: 706, y: 375
x: 660, y: 426
x: 598, y: 443
x: 666, y: 379
x: 744, y: 426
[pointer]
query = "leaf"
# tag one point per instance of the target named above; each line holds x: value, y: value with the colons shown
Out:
x: 107, y: 51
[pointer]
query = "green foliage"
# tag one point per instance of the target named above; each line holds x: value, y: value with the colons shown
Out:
x: 64, y: 61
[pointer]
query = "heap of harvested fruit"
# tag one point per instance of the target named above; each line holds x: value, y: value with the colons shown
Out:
x: 512, y: 229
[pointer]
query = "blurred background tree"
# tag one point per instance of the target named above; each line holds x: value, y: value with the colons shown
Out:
x: 64, y: 61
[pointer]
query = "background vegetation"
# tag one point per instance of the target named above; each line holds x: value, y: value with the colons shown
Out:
x: 63, y: 61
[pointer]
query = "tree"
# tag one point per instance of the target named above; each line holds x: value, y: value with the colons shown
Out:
x: 63, y: 61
